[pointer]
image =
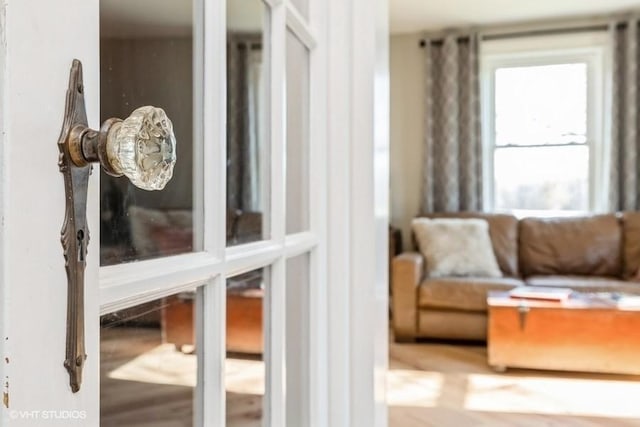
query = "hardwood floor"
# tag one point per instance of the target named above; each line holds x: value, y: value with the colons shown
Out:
x: 442, y: 385
x: 145, y: 383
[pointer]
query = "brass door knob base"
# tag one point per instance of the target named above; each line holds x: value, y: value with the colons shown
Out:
x: 142, y: 147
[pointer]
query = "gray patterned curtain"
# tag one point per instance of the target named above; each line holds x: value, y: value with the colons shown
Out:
x: 244, y: 69
x: 625, y: 145
x: 452, y: 175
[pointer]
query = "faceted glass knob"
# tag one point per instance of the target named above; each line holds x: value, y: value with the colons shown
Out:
x: 143, y: 148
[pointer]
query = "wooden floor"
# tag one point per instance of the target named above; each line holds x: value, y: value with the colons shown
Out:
x: 145, y: 383
x: 444, y: 385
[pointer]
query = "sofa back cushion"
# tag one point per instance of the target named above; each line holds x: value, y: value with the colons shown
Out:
x: 503, y: 230
x: 456, y: 247
x: 631, y: 238
x: 580, y: 245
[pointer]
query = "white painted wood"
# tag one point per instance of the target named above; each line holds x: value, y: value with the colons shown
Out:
x: 299, y: 26
x: 487, y: 107
x: 260, y: 254
x: 4, y: 291
x: 275, y: 51
x: 339, y: 156
x: 299, y: 243
x: 362, y: 219
x: 381, y: 169
x: 211, y: 313
x: 124, y: 285
x: 215, y: 126
x: 275, y: 361
x: 369, y: 211
x: 39, y: 40
x: 273, y: 3
x: 274, y: 312
x: 317, y: 392
x: 211, y: 349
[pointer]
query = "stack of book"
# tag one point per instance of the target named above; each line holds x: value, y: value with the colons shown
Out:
x: 541, y: 292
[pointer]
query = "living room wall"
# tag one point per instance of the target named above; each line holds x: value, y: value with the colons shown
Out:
x: 407, y: 111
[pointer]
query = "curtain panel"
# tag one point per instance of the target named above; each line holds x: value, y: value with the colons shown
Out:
x: 625, y: 146
x: 452, y: 174
x: 244, y: 124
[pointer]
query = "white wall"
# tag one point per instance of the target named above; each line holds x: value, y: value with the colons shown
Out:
x: 407, y: 111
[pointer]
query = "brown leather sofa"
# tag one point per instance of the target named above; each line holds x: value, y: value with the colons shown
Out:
x: 599, y: 253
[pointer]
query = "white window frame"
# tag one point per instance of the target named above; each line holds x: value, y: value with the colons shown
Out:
x: 592, y: 48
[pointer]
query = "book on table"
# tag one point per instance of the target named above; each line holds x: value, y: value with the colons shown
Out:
x: 541, y: 292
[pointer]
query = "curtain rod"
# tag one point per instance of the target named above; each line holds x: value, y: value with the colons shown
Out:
x: 530, y: 33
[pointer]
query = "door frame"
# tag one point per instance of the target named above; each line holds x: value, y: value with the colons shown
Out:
x: 35, y: 55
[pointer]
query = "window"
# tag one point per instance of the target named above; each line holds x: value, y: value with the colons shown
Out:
x: 543, y: 102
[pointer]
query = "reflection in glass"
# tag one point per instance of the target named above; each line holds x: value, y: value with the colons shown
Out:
x: 245, y: 369
x: 297, y: 135
x: 146, y: 59
x: 147, y: 377
x: 297, y: 340
x: 247, y: 149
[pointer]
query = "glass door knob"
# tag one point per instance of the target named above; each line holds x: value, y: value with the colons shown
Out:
x: 141, y: 147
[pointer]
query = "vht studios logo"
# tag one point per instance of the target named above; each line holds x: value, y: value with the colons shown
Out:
x: 48, y: 415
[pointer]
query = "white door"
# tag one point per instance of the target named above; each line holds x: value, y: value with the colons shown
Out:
x: 239, y: 294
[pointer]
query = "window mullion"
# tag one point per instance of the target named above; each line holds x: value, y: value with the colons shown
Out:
x: 210, y: 309
x: 275, y: 297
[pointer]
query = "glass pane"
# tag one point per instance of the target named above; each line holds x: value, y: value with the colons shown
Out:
x: 532, y: 178
x: 297, y: 341
x: 146, y: 59
x: 245, y: 369
x: 541, y: 105
x: 148, y: 370
x: 297, y: 135
x: 302, y: 6
x: 247, y: 142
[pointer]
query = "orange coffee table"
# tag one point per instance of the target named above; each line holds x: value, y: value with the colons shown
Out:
x: 584, y: 333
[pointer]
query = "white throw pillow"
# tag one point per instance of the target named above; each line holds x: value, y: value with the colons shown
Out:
x: 456, y: 247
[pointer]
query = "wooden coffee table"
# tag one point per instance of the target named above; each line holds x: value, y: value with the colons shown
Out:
x: 584, y: 333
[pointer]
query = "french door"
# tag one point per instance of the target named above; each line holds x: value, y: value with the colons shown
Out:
x: 242, y: 293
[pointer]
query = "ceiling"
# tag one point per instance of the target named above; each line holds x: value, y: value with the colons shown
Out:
x: 170, y: 18
x: 408, y: 16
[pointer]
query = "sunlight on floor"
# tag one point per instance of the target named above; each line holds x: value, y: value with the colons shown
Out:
x: 567, y: 396
x: 413, y: 388
x: 509, y: 393
x: 161, y: 365
x: 245, y: 376
x: 164, y: 365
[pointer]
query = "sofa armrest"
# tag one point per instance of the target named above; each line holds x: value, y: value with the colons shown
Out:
x: 406, y: 276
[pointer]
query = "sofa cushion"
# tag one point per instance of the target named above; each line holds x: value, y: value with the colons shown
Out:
x: 503, y: 230
x: 580, y: 246
x: 456, y: 247
x: 585, y: 283
x: 469, y: 293
x: 452, y: 324
x: 631, y: 239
